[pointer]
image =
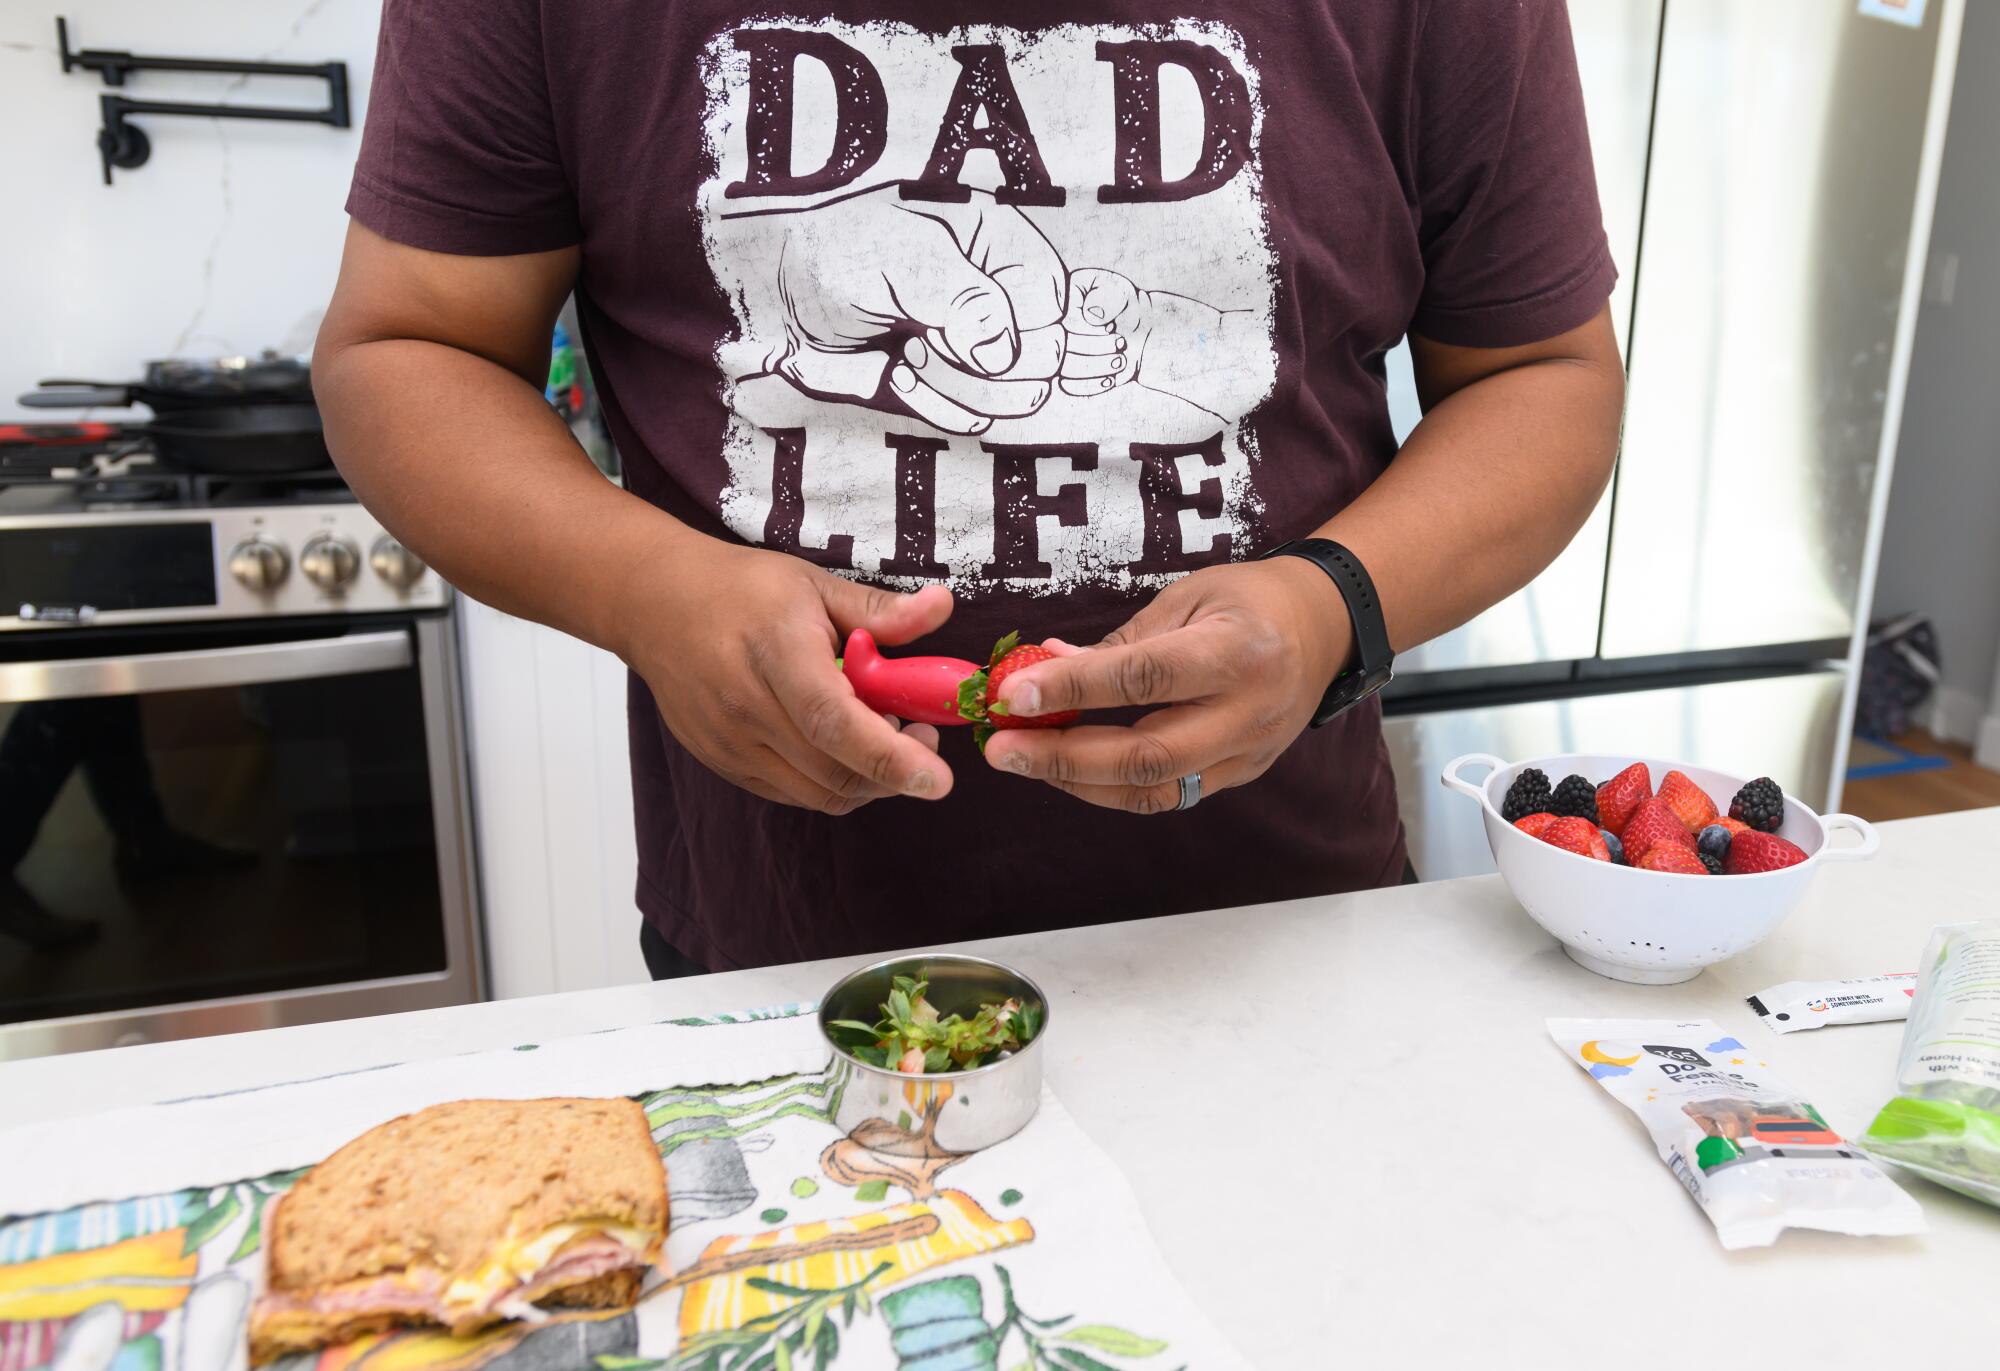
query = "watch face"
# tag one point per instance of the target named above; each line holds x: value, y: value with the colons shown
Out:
x: 1349, y: 691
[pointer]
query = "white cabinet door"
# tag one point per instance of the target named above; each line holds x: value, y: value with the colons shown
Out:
x: 552, y: 806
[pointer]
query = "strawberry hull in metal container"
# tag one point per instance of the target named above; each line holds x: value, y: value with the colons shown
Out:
x: 949, y: 1111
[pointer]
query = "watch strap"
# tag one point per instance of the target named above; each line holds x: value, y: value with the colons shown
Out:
x: 1372, y: 652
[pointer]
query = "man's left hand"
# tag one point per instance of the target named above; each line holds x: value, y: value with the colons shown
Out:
x: 1240, y: 654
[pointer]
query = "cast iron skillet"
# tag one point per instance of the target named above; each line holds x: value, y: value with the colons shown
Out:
x: 240, y: 440
x: 181, y: 383
x: 230, y: 418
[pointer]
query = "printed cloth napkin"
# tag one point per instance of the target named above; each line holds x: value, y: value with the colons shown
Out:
x: 137, y: 1241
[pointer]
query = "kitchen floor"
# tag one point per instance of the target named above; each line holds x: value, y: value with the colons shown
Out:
x: 1959, y: 784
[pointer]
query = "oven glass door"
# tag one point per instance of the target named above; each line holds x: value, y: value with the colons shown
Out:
x: 186, y: 819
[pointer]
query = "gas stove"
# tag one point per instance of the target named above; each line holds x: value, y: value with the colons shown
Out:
x: 110, y: 536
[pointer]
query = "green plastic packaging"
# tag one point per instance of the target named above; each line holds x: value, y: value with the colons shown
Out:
x: 1944, y: 1123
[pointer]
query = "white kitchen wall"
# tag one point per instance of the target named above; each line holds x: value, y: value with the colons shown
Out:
x: 1940, y: 552
x: 226, y: 242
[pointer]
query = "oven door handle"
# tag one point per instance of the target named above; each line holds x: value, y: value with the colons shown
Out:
x: 153, y: 672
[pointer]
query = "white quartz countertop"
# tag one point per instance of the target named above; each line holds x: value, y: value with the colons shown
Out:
x: 1351, y: 1134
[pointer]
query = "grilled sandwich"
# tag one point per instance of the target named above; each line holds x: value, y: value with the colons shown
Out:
x: 464, y: 1214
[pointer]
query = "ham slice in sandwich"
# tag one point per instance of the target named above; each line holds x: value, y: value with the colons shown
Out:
x: 464, y: 1214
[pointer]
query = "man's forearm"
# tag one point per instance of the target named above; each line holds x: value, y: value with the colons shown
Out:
x: 1489, y: 488
x: 463, y: 461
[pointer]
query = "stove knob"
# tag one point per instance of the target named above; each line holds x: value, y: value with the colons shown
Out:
x: 395, y: 563
x: 329, y: 562
x: 259, y: 565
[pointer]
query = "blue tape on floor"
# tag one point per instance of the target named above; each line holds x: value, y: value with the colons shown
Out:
x: 1906, y: 762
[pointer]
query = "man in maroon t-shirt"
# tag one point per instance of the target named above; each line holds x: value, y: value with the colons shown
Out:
x: 944, y: 319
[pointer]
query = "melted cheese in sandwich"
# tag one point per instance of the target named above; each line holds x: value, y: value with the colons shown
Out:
x: 522, y: 1259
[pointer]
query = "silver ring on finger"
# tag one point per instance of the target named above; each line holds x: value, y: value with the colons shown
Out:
x: 1190, y: 791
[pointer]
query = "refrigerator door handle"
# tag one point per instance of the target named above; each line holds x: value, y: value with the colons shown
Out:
x: 1451, y: 780
x: 1848, y: 823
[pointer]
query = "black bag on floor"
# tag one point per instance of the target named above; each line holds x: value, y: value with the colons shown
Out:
x: 1898, y: 673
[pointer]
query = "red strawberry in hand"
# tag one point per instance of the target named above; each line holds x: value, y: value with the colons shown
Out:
x: 1619, y: 797
x: 979, y: 694
x: 1652, y: 824
x: 1534, y: 825
x: 1673, y: 858
x: 1580, y: 836
x: 1752, y: 852
x: 1689, y: 802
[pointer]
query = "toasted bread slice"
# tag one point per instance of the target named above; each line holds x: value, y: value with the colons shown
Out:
x: 457, y: 1214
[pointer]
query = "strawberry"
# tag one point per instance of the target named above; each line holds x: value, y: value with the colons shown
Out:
x: 1534, y: 825
x: 1736, y: 827
x: 1651, y: 824
x: 1618, y: 797
x: 1752, y: 852
x: 1673, y: 858
x: 979, y: 694
x: 1580, y: 836
x: 1689, y: 802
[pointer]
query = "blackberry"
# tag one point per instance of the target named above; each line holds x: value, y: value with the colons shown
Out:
x: 1713, y: 841
x: 1760, y: 804
x: 1712, y: 862
x: 1614, y: 845
x: 1575, y: 796
x: 1528, y: 795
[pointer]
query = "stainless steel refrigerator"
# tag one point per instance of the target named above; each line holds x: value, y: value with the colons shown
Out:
x: 1767, y: 171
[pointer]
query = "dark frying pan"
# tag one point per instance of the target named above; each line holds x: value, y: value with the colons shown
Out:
x: 182, y: 384
x: 240, y: 440
x: 215, y: 439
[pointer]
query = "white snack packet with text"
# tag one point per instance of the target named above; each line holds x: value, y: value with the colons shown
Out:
x: 1754, y: 1154
x: 1797, y: 1005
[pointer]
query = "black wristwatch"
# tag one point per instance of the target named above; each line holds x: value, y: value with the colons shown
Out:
x: 1373, y: 659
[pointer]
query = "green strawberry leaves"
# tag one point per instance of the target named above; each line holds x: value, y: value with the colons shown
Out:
x: 972, y: 704
x: 1028, y: 1022
x: 972, y: 697
x: 947, y: 1042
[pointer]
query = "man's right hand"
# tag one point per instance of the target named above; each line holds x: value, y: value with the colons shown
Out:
x: 739, y: 644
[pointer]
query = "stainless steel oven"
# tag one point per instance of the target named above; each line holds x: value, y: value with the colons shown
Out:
x: 231, y: 797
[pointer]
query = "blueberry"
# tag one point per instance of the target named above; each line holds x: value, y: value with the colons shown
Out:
x: 1713, y: 841
x: 1617, y: 847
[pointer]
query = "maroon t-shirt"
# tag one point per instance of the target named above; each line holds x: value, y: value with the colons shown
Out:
x: 1051, y: 302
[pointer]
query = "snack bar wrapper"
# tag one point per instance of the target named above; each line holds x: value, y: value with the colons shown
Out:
x: 1944, y: 1123
x: 1794, y: 1005
x: 1756, y: 1156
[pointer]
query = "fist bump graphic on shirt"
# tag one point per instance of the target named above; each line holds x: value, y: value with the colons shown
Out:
x: 1010, y: 347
